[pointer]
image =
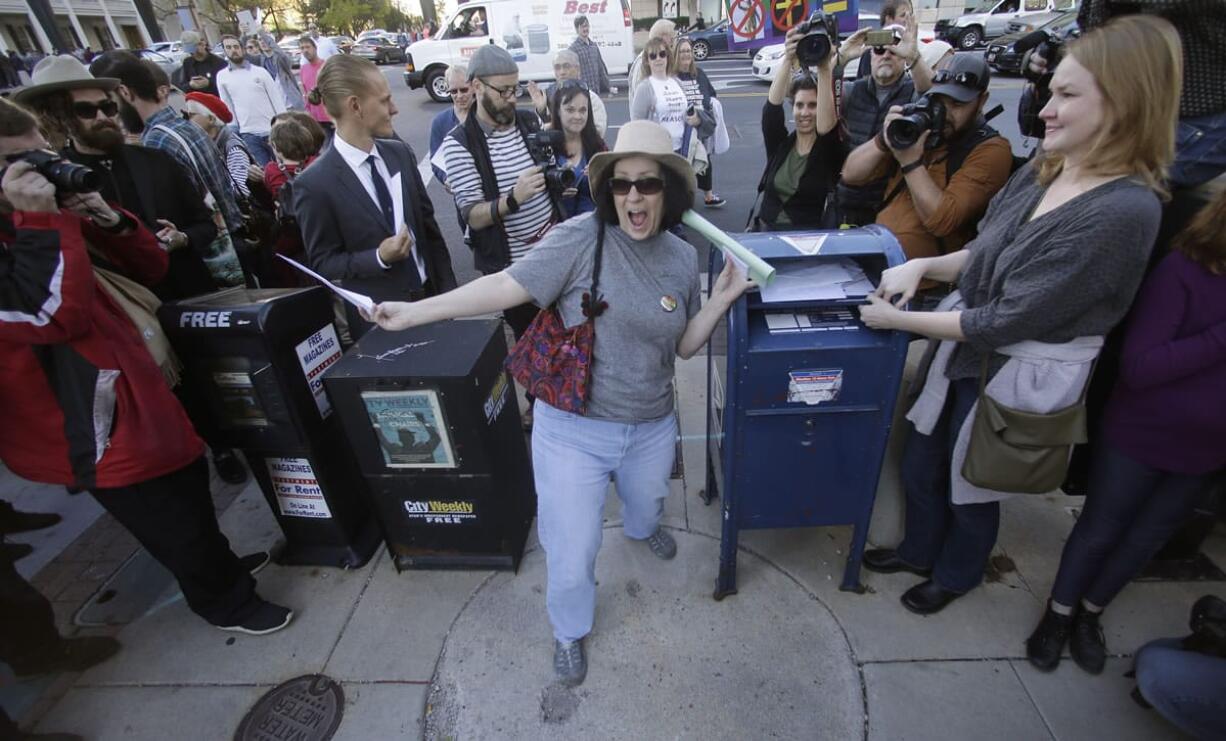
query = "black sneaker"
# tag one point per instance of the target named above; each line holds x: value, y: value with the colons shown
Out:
x: 662, y: 544
x: 1087, y: 644
x: 254, y: 563
x: 714, y: 202
x: 15, y: 521
x: 569, y: 663
x: 70, y: 655
x: 229, y: 468
x: 267, y: 618
x: 1047, y: 642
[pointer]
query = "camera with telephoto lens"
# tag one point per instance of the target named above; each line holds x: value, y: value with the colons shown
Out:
x: 821, y: 34
x: 925, y: 114
x: 542, y: 145
x: 67, y: 177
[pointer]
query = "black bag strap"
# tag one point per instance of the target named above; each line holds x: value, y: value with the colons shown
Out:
x: 593, y: 303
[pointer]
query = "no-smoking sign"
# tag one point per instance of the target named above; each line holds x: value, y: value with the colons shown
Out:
x: 787, y: 13
x: 747, y: 19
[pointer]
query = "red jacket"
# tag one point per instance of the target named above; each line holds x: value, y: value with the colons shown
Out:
x: 84, y: 404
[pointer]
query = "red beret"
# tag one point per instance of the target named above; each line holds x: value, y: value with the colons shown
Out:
x: 216, y: 105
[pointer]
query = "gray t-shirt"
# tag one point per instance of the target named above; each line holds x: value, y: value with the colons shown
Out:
x: 637, y: 336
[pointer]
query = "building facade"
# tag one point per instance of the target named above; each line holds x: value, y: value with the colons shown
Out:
x: 49, y: 25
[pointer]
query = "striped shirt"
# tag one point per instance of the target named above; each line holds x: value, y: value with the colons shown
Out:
x: 509, y: 157
x: 203, y: 159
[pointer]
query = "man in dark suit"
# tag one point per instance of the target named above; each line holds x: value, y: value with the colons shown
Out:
x: 366, y: 220
x: 74, y: 105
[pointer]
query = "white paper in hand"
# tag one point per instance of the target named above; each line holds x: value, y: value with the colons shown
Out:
x: 363, y: 302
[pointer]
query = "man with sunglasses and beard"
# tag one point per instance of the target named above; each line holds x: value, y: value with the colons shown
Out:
x: 500, y: 191
x: 935, y: 196
x: 72, y: 103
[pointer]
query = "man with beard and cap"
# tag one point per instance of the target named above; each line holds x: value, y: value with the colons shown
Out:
x: 200, y: 66
x: 74, y: 104
x: 499, y: 189
x: 935, y: 196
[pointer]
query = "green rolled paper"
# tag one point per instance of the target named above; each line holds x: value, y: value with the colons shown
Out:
x: 758, y: 268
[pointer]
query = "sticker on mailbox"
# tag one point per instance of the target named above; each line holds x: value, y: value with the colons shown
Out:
x: 812, y: 387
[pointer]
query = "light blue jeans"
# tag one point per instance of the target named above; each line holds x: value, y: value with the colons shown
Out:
x: 574, y: 458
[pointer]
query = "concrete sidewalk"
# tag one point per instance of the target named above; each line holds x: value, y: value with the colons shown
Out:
x: 466, y: 655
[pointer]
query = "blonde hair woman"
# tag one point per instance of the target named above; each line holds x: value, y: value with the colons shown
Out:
x: 658, y: 96
x: 1059, y: 256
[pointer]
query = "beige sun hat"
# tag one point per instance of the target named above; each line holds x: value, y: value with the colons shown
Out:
x: 61, y: 73
x: 640, y: 139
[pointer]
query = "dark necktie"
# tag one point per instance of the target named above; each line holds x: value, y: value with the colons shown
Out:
x: 381, y: 192
x: 385, y: 205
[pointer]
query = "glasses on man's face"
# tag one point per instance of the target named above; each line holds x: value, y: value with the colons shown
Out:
x: 89, y: 111
x: 648, y: 186
x: 507, y: 92
x: 882, y: 50
x: 968, y: 79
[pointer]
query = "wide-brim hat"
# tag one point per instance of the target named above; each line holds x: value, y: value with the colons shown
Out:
x: 640, y: 139
x: 61, y: 72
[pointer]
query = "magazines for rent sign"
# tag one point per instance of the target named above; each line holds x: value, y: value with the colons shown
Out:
x: 294, y: 485
x: 316, y: 354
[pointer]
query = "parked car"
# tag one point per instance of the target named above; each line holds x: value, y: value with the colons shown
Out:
x: 343, y: 43
x: 1002, y: 55
x: 991, y: 20
x: 168, y: 64
x: 171, y: 49
x: 379, y: 49
x: 708, y: 41
x: 289, y: 45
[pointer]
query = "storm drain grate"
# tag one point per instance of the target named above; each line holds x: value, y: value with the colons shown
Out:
x: 306, y: 708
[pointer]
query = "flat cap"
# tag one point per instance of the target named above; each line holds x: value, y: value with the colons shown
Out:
x: 491, y: 61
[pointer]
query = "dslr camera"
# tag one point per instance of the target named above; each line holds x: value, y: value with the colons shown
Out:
x: 542, y: 145
x: 67, y: 177
x: 925, y: 114
x: 821, y: 34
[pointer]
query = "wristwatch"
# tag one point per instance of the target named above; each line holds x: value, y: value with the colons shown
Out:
x: 512, y: 204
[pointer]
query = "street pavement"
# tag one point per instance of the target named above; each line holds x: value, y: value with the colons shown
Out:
x: 466, y: 655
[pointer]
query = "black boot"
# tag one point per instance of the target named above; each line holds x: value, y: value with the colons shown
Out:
x: 1087, y: 645
x: 230, y: 468
x: 1046, y: 643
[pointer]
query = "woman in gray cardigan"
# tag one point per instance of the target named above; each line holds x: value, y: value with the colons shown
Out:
x: 1060, y: 254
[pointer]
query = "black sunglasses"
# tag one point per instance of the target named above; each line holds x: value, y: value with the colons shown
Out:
x: 658, y: 55
x: 968, y: 79
x: 87, y: 111
x: 879, y: 50
x: 647, y: 186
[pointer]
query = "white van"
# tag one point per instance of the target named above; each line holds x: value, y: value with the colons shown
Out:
x: 992, y: 18
x: 532, y: 32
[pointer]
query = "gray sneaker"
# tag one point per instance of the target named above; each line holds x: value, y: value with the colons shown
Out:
x: 569, y: 664
x: 662, y: 544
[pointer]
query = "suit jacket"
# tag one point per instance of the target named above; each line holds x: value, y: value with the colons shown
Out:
x: 168, y: 191
x: 342, y: 227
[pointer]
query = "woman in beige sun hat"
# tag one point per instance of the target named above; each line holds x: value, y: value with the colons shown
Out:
x: 627, y: 433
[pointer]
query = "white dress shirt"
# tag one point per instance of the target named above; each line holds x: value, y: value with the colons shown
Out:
x: 356, y: 159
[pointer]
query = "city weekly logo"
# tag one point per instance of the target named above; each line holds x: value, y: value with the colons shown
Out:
x: 204, y: 319
x: 439, y: 508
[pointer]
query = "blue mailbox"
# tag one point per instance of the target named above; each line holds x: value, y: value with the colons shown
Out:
x: 800, y: 409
